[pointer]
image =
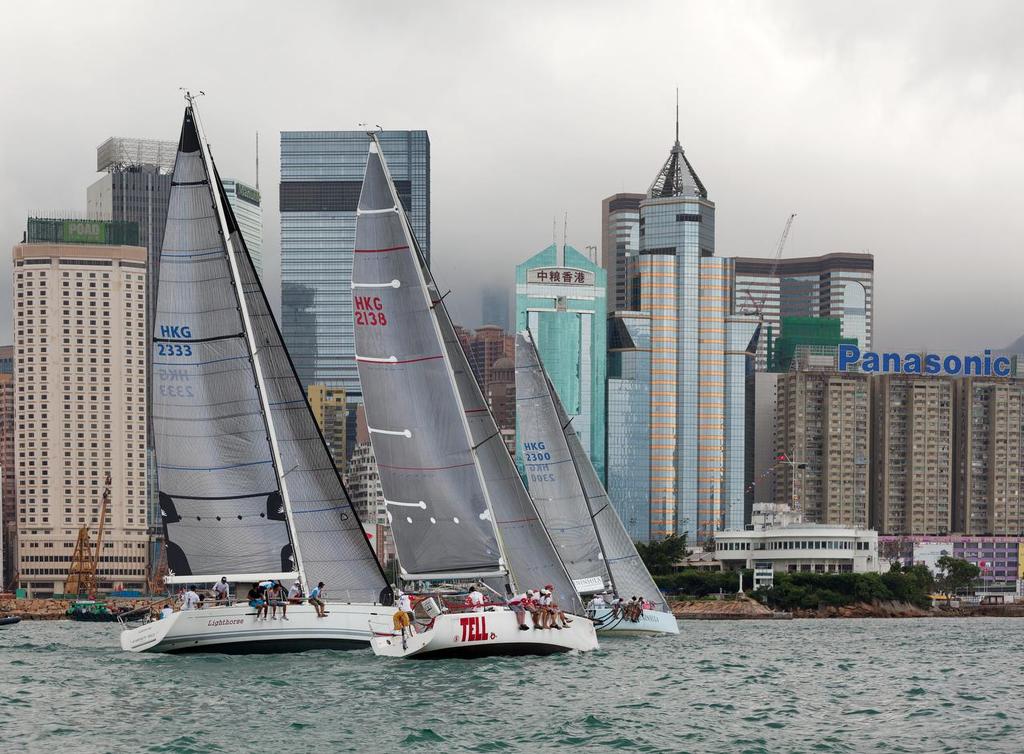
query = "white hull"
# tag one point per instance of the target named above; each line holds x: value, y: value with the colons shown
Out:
x: 235, y: 630
x: 486, y: 634
x: 651, y: 623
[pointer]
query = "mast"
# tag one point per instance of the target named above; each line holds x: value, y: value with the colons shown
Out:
x: 254, y: 357
x: 375, y: 146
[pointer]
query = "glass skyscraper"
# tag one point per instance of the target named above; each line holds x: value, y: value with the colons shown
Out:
x: 245, y: 202
x: 321, y: 177
x: 628, y: 432
x: 620, y: 242
x: 697, y: 393
x: 560, y: 297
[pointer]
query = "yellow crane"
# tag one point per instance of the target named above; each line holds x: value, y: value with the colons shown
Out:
x: 86, y: 559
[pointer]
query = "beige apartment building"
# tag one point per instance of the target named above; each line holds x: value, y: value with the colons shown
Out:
x: 328, y: 406
x: 80, y: 384
x: 988, y: 456
x: 823, y: 426
x: 912, y: 457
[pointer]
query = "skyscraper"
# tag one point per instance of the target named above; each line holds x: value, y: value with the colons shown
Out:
x: 988, y: 457
x: 560, y: 298
x: 245, y: 203
x: 698, y: 359
x: 80, y: 329
x: 823, y: 428
x: 620, y: 241
x: 912, y: 454
x: 628, y: 433
x: 321, y: 177
x: 840, y: 286
x: 8, y: 439
x: 329, y: 408
x: 494, y: 306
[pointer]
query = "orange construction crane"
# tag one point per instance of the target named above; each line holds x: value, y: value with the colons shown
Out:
x: 85, y: 560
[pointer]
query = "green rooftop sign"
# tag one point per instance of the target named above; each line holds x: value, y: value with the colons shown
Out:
x: 101, y: 232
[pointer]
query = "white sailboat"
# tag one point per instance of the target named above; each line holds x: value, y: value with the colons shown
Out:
x: 591, y: 540
x: 455, y: 502
x: 248, y: 489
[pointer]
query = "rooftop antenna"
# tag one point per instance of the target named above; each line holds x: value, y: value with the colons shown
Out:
x: 565, y: 235
x: 554, y: 232
x: 677, y: 116
x: 257, y: 161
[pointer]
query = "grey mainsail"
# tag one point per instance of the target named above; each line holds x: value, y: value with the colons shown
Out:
x: 436, y: 502
x: 247, y: 485
x: 551, y: 474
x: 629, y: 575
x: 439, y: 452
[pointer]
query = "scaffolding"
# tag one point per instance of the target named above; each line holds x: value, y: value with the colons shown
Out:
x: 119, y: 153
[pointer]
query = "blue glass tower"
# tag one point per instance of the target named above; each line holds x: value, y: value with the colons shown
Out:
x: 321, y: 177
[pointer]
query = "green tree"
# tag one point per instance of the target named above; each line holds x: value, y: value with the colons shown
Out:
x: 955, y: 574
x: 661, y: 556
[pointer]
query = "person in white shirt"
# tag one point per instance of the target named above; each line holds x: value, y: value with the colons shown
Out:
x: 167, y: 612
x: 190, y: 600
x: 220, y: 591
x: 475, y: 599
x: 597, y: 603
x: 295, y: 593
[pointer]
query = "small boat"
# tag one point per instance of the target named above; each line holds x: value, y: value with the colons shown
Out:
x: 248, y: 489
x: 456, y: 504
x: 91, y: 611
x: 574, y: 505
x: 10, y: 620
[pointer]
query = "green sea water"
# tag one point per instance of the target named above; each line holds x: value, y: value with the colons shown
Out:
x: 925, y: 685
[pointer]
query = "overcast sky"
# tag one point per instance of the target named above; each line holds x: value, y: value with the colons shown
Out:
x: 891, y: 128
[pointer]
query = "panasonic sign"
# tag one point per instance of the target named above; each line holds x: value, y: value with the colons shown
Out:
x: 985, y: 365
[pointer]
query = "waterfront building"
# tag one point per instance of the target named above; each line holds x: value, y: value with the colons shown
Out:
x: 620, y: 243
x: 698, y: 359
x: 989, y: 485
x: 627, y: 476
x: 329, y: 407
x: 321, y: 177
x: 80, y: 387
x: 560, y: 298
x: 494, y: 307
x: 912, y: 455
x: 245, y: 203
x: 840, y: 286
x: 822, y: 446
x: 8, y: 440
x: 1000, y: 558
x: 781, y: 541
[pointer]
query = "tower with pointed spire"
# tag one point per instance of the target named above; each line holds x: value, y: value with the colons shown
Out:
x: 697, y: 362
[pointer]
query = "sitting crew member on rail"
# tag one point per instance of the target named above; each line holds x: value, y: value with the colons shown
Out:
x: 256, y: 600
x: 295, y: 593
x: 276, y: 598
x: 475, y: 599
x: 316, y: 595
x: 189, y: 600
x: 220, y: 591
x: 518, y: 604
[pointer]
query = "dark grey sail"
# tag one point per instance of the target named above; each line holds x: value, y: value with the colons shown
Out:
x: 452, y: 453
x: 230, y: 504
x: 629, y: 575
x: 436, y: 503
x: 551, y: 474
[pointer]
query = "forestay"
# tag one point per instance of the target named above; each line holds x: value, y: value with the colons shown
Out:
x: 432, y: 487
x: 551, y: 474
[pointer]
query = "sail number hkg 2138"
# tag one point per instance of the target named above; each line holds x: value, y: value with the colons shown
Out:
x: 370, y: 311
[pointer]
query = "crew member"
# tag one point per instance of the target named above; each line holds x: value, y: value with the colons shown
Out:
x: 220, y: 591
x: 316, y: 595
x: 276, y: 598
x: 475, y: 599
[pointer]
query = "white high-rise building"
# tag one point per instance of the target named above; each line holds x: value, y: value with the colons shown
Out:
x: 80, y: 394
x: 245, y: 202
